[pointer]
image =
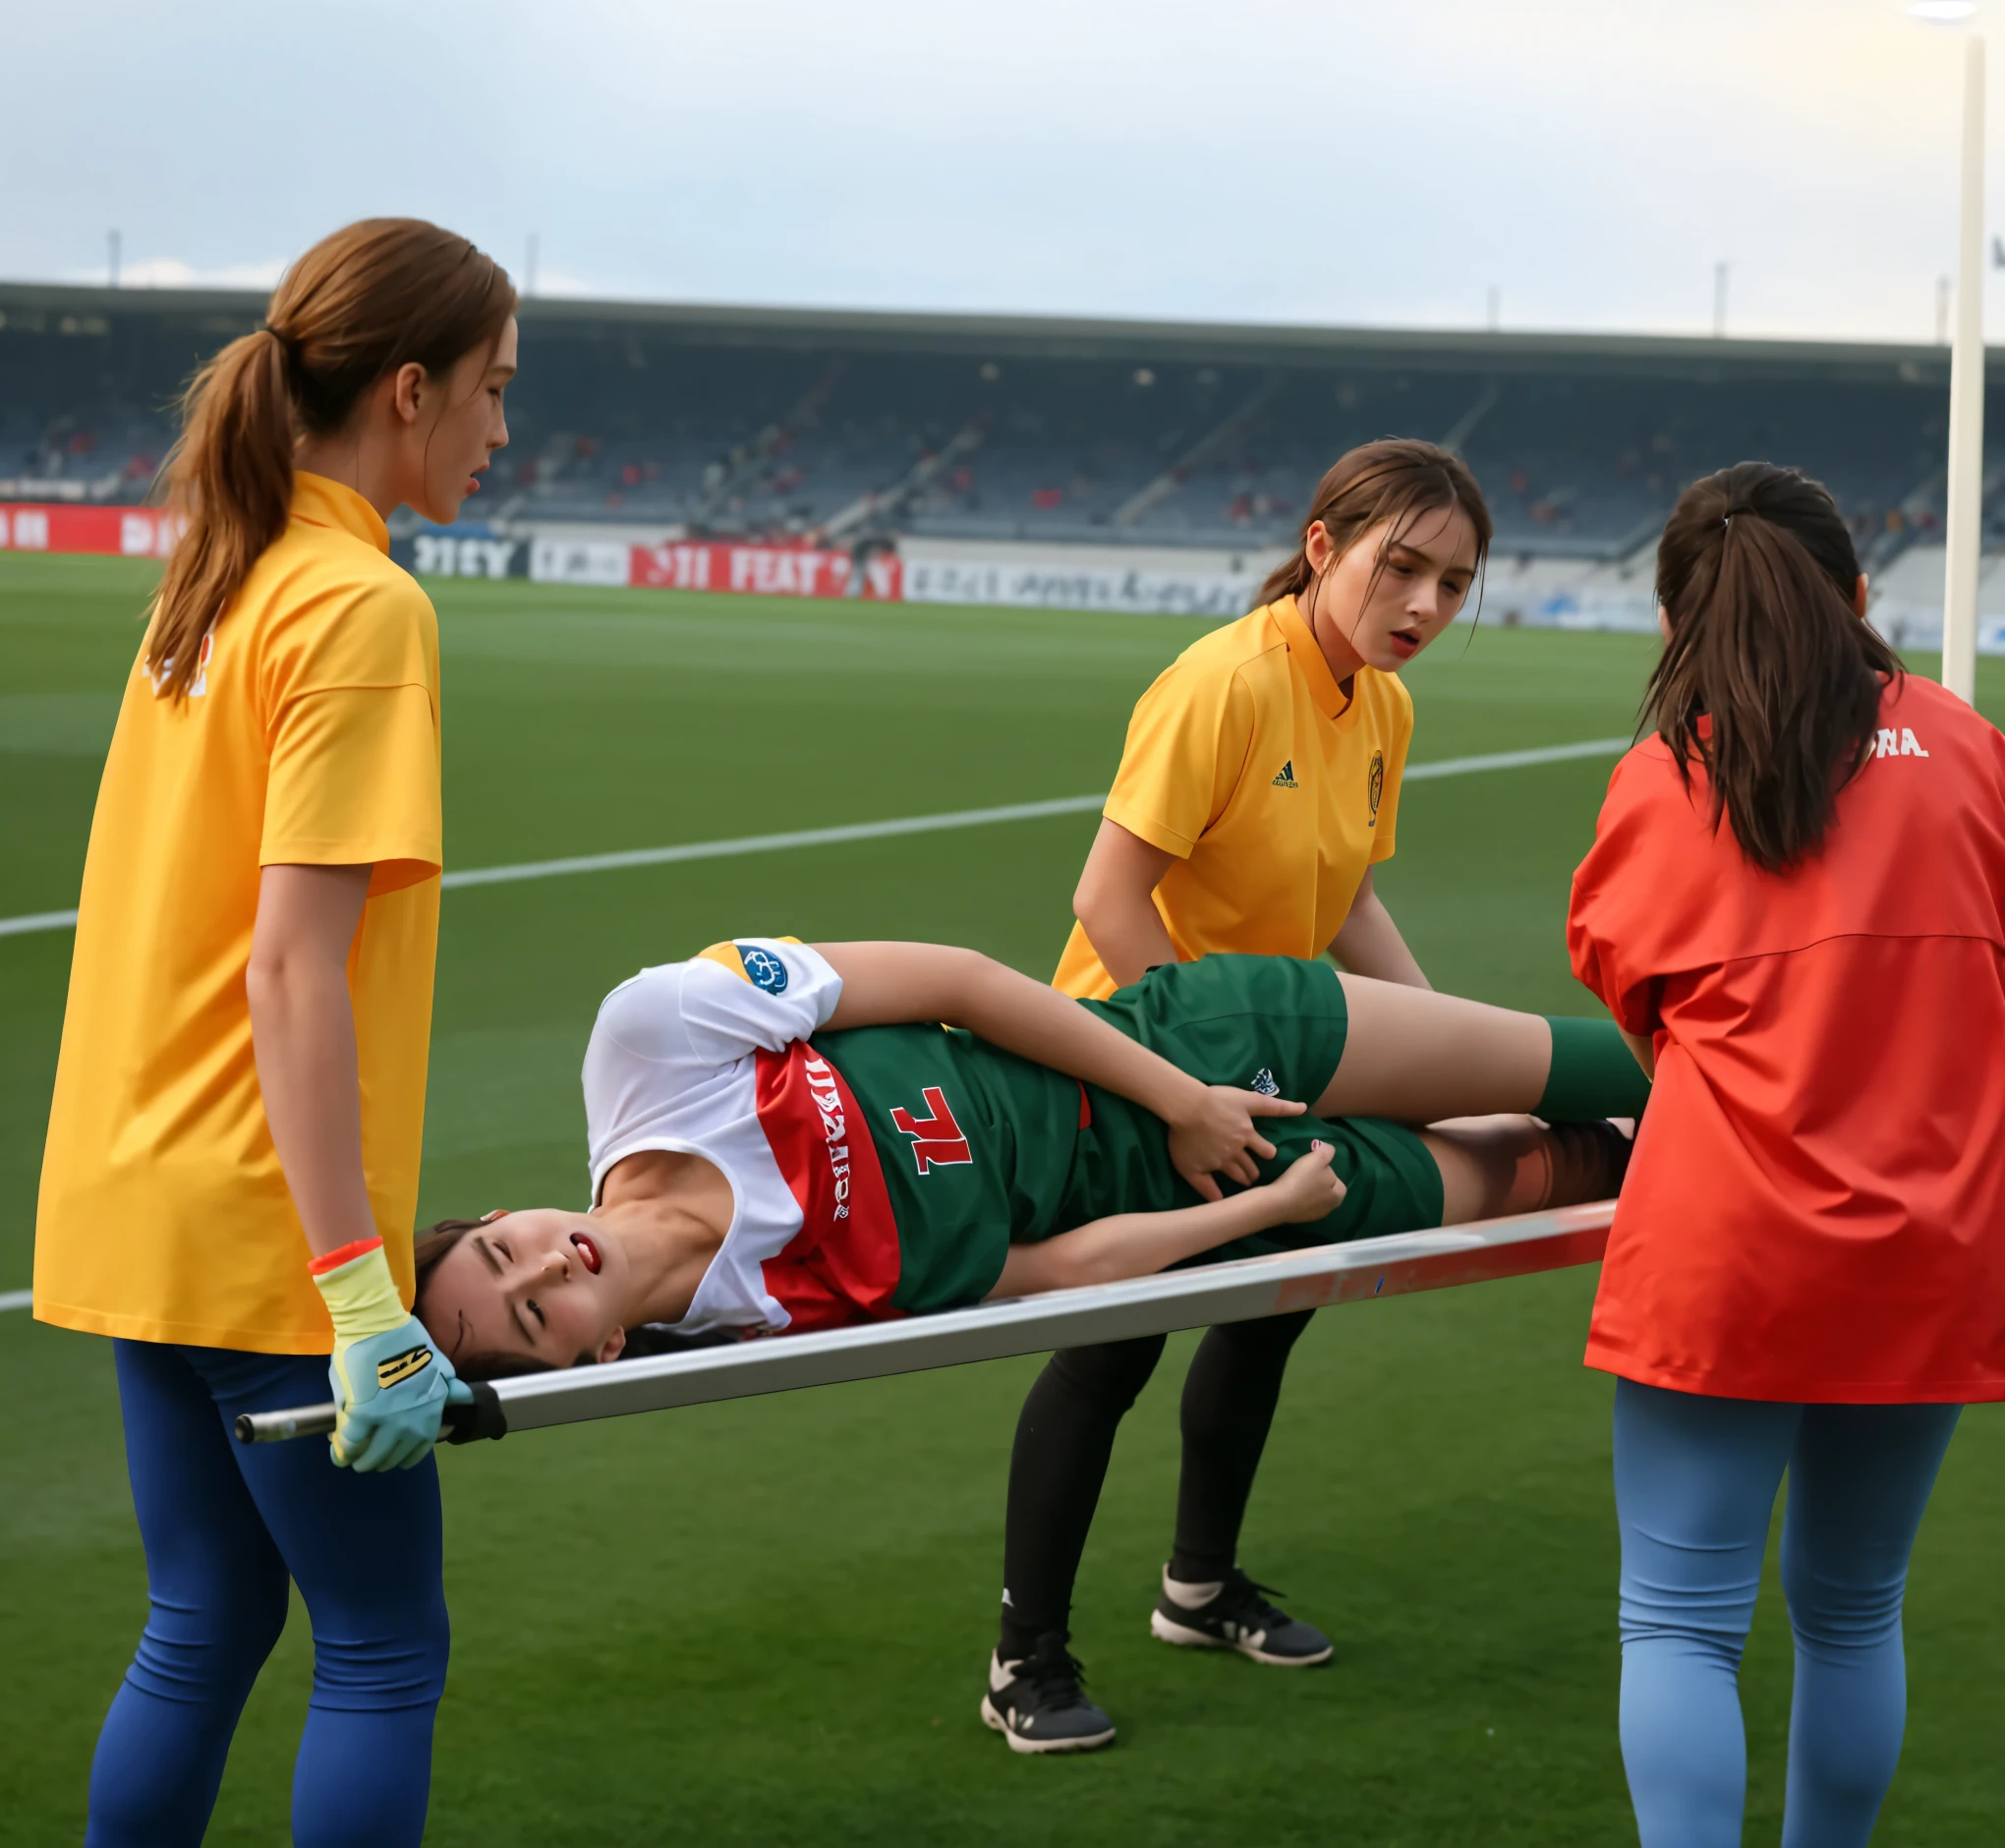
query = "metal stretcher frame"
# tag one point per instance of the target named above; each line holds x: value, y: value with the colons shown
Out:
x: 1238, y: 1291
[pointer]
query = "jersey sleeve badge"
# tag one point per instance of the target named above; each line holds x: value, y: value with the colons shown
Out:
x: 751, y: 962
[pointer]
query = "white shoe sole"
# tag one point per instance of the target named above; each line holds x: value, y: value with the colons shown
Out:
x: 1090, y: 1741
x: 1167, y: 1630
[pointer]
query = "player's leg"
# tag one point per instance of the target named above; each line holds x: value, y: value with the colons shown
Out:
x: 217, y: 1591
x: 1491, y: 1166
x: 1694, y: 1489
x: 366, y: 1554
x: 1230, y: 1396
x: 1352, y: 1047
x: 1858, y: 1480
x: 1065, y: 1438
x: 1419, y: 1057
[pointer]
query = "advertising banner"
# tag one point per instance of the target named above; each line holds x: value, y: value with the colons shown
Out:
x: 119, y: 532
x: 1596, y: 607
x: 601, y: 562
x: 462, y: 554
x: 772, y: 570
x: 1048, y: 583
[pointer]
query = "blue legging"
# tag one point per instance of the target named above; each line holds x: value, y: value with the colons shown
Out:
x: 1695, y: 1490
x: 225, y: 1526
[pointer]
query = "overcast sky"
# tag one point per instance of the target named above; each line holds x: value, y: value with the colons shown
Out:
x: 1297, y: 160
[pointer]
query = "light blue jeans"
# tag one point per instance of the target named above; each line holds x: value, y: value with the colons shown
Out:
x: 1695, y: 1490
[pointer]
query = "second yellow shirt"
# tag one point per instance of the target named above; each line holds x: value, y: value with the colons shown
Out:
x: 1274, y: 793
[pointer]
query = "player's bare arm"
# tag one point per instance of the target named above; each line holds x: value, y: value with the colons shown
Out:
x: 1115, y: 902
x: 1137, y: 1244
x: 1370, y: 943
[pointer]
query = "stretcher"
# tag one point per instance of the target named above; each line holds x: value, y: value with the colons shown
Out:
x: 1196, y: 1297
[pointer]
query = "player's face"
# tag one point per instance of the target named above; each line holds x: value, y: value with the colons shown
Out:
x: 542, y: 1285
x: 1388, y: 616
x: 470, y: 426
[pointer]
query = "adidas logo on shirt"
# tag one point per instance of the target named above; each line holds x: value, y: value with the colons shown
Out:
x: 1286, y: 781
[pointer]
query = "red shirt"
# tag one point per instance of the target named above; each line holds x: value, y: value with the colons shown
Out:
x: 1816, y: 1207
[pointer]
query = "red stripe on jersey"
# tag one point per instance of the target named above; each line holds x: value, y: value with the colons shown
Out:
x: 842, y: 1266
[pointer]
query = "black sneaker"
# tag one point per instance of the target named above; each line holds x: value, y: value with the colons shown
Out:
x: 1237, y: 1616
x: 1038, y: 1704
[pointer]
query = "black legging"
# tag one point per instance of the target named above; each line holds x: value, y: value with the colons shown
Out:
x: 1066, y: 1436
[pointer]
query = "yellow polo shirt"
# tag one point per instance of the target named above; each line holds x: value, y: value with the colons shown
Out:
x: 311, y: 736
x: 1272, y: 790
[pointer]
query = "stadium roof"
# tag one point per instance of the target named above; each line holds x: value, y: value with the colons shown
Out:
x: 89, y: 311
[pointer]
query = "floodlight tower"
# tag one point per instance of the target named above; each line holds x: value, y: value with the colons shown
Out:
x: 1963, y: 533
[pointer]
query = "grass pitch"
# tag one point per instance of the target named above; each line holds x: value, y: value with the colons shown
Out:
x: 767, y: 1621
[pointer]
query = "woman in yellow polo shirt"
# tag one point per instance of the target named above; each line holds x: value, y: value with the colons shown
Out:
x: 232, y: 1162
x: 1259, y: 786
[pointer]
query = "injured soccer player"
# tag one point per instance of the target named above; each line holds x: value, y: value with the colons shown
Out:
x: 787, y: 1138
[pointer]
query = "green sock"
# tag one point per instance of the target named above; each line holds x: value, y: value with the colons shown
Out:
x: 1594, y: 1073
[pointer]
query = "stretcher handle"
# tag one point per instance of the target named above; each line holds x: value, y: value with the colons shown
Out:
x: 463, y: 1424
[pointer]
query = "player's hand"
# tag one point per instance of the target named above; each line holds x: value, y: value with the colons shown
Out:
x: 1307, y: 1189
x: 1218, y: 1133
x: 391, y: 1384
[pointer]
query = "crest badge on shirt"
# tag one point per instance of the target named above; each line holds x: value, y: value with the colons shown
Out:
x: 762, y: 970
x: 1375, y: 785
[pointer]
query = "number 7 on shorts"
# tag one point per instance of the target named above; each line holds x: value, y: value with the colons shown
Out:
x: 937, y: 1140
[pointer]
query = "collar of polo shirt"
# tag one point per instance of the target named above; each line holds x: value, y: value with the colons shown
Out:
x: 1315, y: 667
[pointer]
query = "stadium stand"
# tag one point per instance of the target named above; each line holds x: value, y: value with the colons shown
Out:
x: 772, y: 423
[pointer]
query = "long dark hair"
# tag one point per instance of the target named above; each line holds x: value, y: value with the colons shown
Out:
x: 363, y: 302
x: 1757, y: 579
x: 1376, y: 482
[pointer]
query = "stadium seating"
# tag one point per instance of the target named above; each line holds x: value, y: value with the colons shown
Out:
x: 734, y: 421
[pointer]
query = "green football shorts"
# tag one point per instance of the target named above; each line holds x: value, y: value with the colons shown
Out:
x: 1267, y: 1024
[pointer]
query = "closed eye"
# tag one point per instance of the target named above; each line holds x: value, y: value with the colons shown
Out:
x: 536, y: 1309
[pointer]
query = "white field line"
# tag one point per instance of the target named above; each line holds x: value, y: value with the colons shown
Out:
x: 876, y: 831
x: 1516, y: 760
x: 769, y: 843
x: 37, y: 921
x: 857, y: 831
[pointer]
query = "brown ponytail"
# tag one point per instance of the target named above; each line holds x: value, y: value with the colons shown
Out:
x: 1757, y: 579
x: 378, y: 295
x: 1376, y: 482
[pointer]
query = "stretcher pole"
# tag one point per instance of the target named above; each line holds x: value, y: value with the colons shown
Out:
x: 1240, y: 1292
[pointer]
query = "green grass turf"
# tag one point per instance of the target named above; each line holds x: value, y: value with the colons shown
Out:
x: 767, y: 1622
